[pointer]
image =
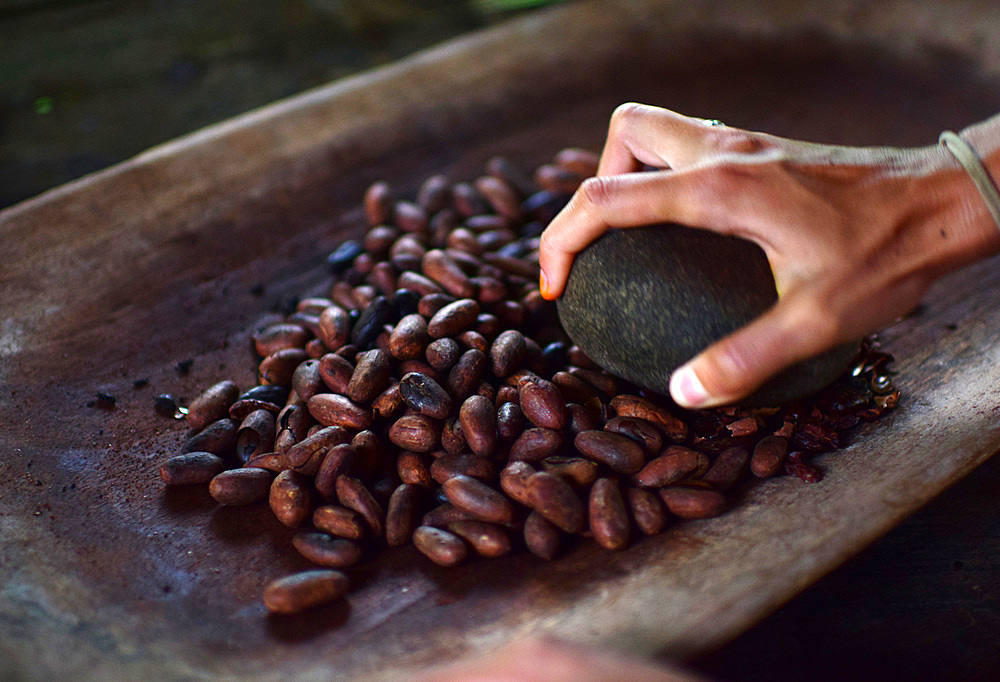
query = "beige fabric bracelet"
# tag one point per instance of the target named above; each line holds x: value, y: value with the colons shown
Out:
x: 973, y: 165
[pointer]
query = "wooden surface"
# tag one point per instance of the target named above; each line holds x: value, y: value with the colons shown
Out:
x: 120, y: 276
x: 920, y: 604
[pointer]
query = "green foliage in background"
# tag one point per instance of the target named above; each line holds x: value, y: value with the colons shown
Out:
x: 87, y: 83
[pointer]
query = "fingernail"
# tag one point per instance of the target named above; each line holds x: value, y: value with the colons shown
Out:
x: 543, y: 285
x: 686, y: 389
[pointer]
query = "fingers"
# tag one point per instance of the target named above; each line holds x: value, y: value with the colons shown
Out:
x: 735, y: 366
x: 627, y: 200
x: 639, y: 134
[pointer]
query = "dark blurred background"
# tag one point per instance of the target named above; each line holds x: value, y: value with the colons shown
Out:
x: 87, y: 83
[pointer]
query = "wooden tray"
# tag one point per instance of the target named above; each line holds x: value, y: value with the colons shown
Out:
x: 123, y: 274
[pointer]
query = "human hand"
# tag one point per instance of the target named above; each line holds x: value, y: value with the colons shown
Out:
x: 854, y: 235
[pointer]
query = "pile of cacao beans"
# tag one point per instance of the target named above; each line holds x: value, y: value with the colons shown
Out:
x: 431, y: 397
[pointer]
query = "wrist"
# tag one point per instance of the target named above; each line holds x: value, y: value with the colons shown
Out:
x: 952, y: 220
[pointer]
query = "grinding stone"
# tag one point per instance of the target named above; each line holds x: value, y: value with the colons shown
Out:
x: 642, y: 301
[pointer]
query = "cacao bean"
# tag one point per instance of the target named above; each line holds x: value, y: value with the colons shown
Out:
x: 305, y: 590
x: 290, y: 498
x: 353, y: 494
x: 487, y: 539
x: 212, y: 404
x: 609, y: 522
x: 425, y: 395
x: 240, y: 487
x: 478, y: 419
x: 340, y: 521
x: 327, y: 550
x: 554, y: 499
x: 191, y: 468
x: 478, y: 499
x: 416, y: 432
x: 618, y: 453
x: 440, y: 546
x: 402, y: 514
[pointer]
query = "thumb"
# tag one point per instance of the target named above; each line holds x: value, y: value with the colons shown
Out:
x: 794, y: 329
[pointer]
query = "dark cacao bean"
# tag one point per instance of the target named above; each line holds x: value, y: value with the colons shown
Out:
x: 412, y: 467
x: 618, y: 453
x: 674, y: 464
x: 507, y: 353
x: 440, y: 267
x: 478, y: 499
x: 444, y: 514
x: 640, y: 408
x: 478, y: 419
x: 769, y: 456
x: 609, y: 522
x: 453, y: 318
x: 371, y: 376
x: 514, y: 481
x: 212, y: 404
x: 409, y: 338
x: 542, y: 403
x: 442, y: 354
x: 465, y: 376
x: 277, y: 337
x: 277, y: 368
x: 353, y: 494
x: 403, y: 512
x: 290, y: 498
x: 336, y: 372
x: 487, y: 539
x: 370, y: 323
x: 577, y: 471
x: 340, y: 521
x: 434, y: 194
x: 462, y: 464
x: 338, y: 461
x: 255, y: 435
x: 510, y: 418
x: 440, y: 546
x: 378, y: 203
x: 415, y: 432
x: 535, y: 444
x: 425, y: 395
x: 330, y: 409
x: 313, y: 447
x: 641, y: 431
x: 219, y: 438
x: 554, y: 499
x: 239, y: 487
x: 729, y: 466
x: 389, y: 402
x: 334, y: 327
x: 191, y: 468
x: 306, y: 379
x: 305, y: 590
x: 693, y: 502
x: 540, y: 536
x: 327, y: 550
x: 647, y: 510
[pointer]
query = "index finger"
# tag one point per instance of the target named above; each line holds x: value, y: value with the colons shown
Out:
x: 641, y: 134
x: 619, y: 201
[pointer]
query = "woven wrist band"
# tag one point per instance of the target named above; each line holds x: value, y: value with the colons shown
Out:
x: 972, y: 164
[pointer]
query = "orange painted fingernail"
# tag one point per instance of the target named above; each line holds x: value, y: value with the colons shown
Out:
x: 543, y: 285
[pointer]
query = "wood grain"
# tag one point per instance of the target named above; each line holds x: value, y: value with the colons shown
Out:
x: 120, y: 276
